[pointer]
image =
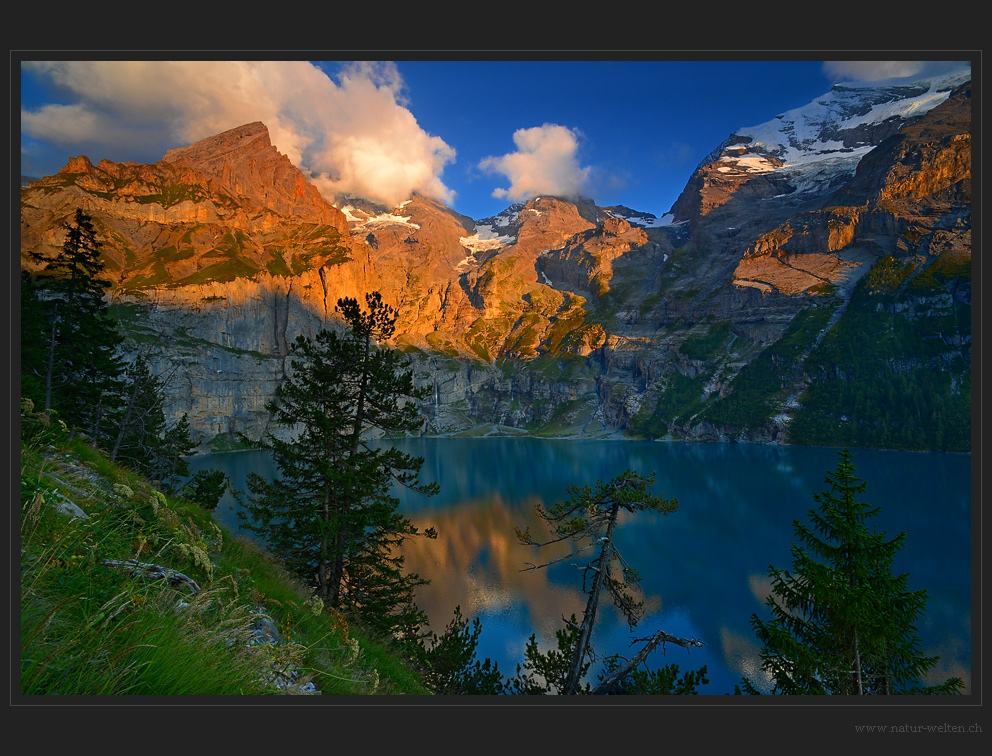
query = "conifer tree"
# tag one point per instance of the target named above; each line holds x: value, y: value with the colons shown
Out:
x: 449, y: 662
x: 588, y: 520
x: 34, y: 341
x: 330, y: 513
x: 842, y: 623
x: 138, y: 434
x: 139, y: 421
x: 80, y: 368
x: 548, y: 671
x: 170, y: 460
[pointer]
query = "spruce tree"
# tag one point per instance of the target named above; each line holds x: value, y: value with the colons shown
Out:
x: 139, y: 422
x: 330, y: 513
x: 842, y: 623
x: 34, y: 340
x: 77, y: 366
x: 170, y: 459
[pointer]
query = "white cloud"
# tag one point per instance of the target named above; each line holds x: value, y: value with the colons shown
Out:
x: 545, y: 163
x: 354, y: 136
x: 877, y: 70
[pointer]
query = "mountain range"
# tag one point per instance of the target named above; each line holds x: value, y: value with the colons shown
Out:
x: 811, y: 284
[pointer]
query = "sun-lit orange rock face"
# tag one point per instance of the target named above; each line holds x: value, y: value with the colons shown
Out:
x: 557, y: 316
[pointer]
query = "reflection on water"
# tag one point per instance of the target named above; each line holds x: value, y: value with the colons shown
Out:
x: 704, y: 567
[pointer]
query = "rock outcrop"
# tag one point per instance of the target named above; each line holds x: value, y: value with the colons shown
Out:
x: 245, y: 163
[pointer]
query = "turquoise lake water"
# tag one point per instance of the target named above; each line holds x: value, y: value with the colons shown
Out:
x: 704, y: 567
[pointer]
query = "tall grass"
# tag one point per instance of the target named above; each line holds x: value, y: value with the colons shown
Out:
x: 90, y: 627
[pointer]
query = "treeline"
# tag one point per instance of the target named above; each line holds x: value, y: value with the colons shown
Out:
x: 75, y: 371
x: 893, y: 372
x: 886, y: 377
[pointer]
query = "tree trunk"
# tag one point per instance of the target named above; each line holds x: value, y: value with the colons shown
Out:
x: 51, y: 361
x: 589, y: 616
x: 346, y: 503
x: 859, y: 684
x: 125, y: 421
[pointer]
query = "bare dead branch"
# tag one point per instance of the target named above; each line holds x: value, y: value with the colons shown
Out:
x: 660, y: 637
x: 554, y: 561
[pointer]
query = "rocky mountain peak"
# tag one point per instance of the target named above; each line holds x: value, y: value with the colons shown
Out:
x: 213, y: 151
x: 79, y: 164
x: 548, y: 222
x: 246, y: 163
x: 929, y: 157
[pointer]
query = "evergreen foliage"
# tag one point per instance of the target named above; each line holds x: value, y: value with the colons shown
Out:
x: 544, y: 672
x: 140, y: 421
x: 679, y: 398
x: 664, y: 681
x: 34, y: 338
x: 761, y: 382
x: 72, y: 366
x: 142, y: 439
x: 206, y: 488
x: 895, y: 371
x: 330, y: 513
x: 450, y: 664
x: 548, y: 671
x: 704, y: 346
x: 177, y: 444
x: 842, y: 623
x: 71, y: 344
x: 587, y: 520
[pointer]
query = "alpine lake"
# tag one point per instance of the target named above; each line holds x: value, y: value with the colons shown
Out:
x: 704, y: 567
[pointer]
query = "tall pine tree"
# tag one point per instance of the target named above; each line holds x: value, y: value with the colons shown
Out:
x: 72, y: 356
x: 34, y: 334
x: 329, y: 513
x: 72, y: 364
x: 842, y: 623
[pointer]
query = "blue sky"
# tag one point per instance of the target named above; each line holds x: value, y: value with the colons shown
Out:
x: 478, y: 135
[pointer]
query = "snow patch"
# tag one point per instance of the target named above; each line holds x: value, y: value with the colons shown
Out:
x: 644, y: 220
x: 349, y: 214
x: 802, y: 143
x: 487, y: 236
x: 484, y: 239
x: 797, y: 136
x: 387, y: 219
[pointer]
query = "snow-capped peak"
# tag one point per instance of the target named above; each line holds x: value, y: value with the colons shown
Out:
x: 838, y: 124
x: 822, y: 142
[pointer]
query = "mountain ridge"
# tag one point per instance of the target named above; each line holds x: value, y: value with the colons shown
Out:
x: 554, y: 317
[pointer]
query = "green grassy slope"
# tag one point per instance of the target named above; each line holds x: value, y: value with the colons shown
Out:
x: 92, y: 625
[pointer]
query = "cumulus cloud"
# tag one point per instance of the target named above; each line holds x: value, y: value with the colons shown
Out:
x: 877, y: 70
x: 354, y: 135
x: 545, y: 162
